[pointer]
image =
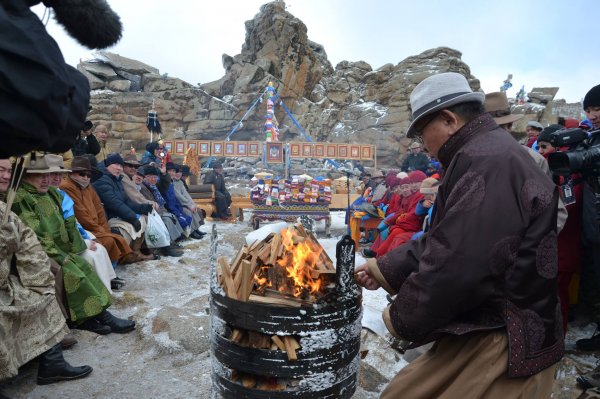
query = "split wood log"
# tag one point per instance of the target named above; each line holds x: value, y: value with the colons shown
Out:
x: 274, y: 301
x: 229, y: 287
x: 246, y: 280
x: 289, y: 348
x: 236, y: 335
x: 278, y: 342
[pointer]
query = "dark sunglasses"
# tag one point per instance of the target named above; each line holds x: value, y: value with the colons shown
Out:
x: 85, y: 174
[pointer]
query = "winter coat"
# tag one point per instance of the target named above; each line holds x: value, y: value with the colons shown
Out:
x: 31, y: 321
x: 489, y: 260
x: 418, y: 161
x: 116, y: 203
x: 90, y: 213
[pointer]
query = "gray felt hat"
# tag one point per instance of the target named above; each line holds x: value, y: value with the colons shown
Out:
x: 438, y: 92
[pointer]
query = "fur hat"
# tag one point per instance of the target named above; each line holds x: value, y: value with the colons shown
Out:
x: 438, y: 92
x: 496, y: 104
x: 592, y: 98
x: 429, y: 186
x: 150, y: 171
x: 171, y: 165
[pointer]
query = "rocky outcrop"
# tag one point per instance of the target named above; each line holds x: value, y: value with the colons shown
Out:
x: 350, y: 102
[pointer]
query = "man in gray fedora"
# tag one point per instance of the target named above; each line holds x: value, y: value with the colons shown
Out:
x: 481, y: 283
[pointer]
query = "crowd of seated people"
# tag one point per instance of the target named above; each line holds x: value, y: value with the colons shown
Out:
x: 68, y: 230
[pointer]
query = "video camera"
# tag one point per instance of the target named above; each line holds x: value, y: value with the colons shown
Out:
x: 583, y: 155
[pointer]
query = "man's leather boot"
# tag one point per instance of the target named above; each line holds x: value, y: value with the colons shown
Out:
x: 53, y: 368
x: 116, y: 325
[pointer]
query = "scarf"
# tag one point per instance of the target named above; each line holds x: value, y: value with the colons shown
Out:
x: 157, y: 195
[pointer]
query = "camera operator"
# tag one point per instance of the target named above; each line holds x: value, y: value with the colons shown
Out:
x: 583, y: 156
x: 86, y: 143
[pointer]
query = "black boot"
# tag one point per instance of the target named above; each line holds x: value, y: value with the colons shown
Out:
x: 116, y: 325
x: 589, y: 344
x: 53, y: 368
x: 92, y: 325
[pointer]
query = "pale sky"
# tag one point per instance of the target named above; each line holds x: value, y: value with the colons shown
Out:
x: 543, y: 43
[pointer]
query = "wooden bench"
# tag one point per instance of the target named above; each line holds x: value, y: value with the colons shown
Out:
x: 204, y: 198
x: 238, y: 204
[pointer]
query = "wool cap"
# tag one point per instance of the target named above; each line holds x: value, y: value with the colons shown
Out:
x: 416, y: 176
x: 592, y: 98
x: 496, y: 104
x: 429, y: 186
x: 113, y: 158
x: 546, y: 133
x: 438, y: 92
x: 535, y: 125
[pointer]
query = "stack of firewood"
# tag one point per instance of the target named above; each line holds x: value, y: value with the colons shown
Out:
x: 258, y: 273
x: 257, y: 340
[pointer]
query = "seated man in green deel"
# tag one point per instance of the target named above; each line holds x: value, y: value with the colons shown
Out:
x: 39, y: 206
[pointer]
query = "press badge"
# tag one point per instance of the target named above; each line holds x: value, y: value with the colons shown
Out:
x: 567, y: 193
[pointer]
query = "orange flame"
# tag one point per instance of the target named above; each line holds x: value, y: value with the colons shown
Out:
x: 301, y: 261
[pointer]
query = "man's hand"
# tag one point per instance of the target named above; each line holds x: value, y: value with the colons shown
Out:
x: 155, y: 206
x: 364, y: 278
x: 93, y: 245
x: 427, y: 204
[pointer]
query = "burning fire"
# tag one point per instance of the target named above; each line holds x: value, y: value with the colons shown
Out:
x: 300, y: 263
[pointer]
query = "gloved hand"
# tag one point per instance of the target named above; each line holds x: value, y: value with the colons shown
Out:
x: 147, y: 208
x: 137, y: 225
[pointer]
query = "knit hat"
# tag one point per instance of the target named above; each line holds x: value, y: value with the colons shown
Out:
x: 416, y: 176
x: 592, y: 98
x: 545, y: 135
x: 113, y: 158
x: 586, y: 124
x: 535, y: 125
x: 429, y: 186
x: 571, y: 123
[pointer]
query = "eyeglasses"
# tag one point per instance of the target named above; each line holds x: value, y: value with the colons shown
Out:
x: 419, y: 131
x: 85, y: 174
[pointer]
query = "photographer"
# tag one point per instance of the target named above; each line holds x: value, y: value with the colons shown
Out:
x: 86, y: 143
x: 587, y: 159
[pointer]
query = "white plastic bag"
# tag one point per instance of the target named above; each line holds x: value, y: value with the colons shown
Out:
x: 156, y: 234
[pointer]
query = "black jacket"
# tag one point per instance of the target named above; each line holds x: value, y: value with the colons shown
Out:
x: 116, y: 202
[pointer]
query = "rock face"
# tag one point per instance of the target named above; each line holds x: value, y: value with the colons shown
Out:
x: 348, y: 103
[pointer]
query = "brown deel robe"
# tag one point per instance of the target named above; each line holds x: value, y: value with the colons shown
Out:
x: 90, y: 214
x: 489, y: 261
